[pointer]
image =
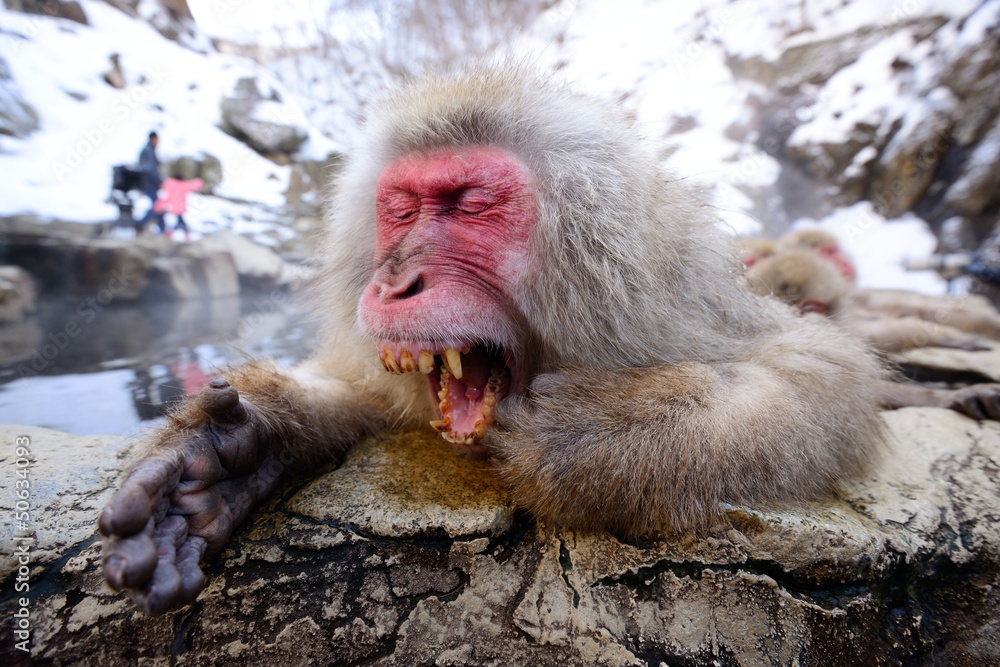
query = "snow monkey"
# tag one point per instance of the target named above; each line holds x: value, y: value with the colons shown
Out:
x: 811, y: 284
x: 822, y: 243
x: 507, y: 262
x: 971, y: 314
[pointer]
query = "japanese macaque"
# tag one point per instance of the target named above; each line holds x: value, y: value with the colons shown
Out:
x: 813, y: 285
x: 823, y: 244
x: 752, y: 249
x: 810, y: 284
x: 971, y: 314
x: 507, y: 262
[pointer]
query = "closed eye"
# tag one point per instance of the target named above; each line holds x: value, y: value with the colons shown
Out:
x: 473, y: 200
x: 402, y: 214
x: 400, y: 205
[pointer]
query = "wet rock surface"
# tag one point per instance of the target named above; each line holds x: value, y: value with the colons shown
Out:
x: 151, y: 268
x: 18, y: 294
x: 951, y: 365
x: 409, y: 555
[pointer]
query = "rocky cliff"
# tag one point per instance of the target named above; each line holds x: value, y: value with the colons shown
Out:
x: 407, y: 555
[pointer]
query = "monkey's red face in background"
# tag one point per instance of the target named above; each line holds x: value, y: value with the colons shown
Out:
x: 451, y: 246
x: 834, y: 255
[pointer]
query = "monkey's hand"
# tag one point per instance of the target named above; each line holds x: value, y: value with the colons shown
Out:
x: 979, y: 401
x: 184, y: 499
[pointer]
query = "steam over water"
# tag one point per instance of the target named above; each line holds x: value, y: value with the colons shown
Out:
x: 114, y: 371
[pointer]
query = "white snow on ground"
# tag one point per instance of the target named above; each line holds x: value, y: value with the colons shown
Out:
x: 880, y: 247
x: 63, y: 170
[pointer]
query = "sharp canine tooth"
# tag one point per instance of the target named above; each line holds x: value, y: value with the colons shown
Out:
x: 453, y: 362
x: 406, y: 362
x: 426, y: 362
x: 480, y: 428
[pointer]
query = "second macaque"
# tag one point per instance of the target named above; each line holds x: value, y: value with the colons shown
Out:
x: 805, y: 280
x: 971, y: 314
x: 812, y: 285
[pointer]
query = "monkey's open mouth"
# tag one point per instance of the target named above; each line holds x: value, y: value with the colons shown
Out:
x: 467, y: 385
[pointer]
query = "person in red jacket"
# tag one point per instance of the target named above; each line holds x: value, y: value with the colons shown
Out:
x: 174, y: 200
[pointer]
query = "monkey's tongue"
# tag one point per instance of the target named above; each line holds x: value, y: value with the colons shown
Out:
x: 466, y: 405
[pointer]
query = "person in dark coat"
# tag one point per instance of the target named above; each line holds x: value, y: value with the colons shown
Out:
x: 150, y: 181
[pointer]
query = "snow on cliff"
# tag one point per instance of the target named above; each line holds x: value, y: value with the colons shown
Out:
x: 63, y: 170
x: 669, y: 63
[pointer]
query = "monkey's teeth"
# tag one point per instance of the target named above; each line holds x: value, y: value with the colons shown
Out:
x: 481, y: 427
x: 389, y: 361
x: 441, y: 425
x: 490, y: 395
x: 426, y: 362
x: 453, y: 362
x: 459, y: 438
x: 407, y: 364
x: 445, y: 383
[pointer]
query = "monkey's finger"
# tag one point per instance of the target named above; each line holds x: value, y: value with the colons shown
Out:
x: 131, y: 507
x: 208, y: 516
x: 239, y: 448
x: 221, y: 402
x: 991, y: 403
x: 192, y: 578
x: 163, y: 591
x: 232, y: 429
x: 128, y: 562
x: 969, y: 405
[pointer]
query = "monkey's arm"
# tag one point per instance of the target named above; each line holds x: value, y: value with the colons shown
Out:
x: 897, y: 334
x: 979, y: 401
x: 645, y: 451
x: 222, y: 453
x: 972, y: 314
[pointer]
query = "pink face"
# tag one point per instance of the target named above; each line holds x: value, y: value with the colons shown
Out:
x: 834, y: 255
x: 451, y: 246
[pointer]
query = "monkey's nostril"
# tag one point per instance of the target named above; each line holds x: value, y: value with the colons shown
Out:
x: 415, y: 288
